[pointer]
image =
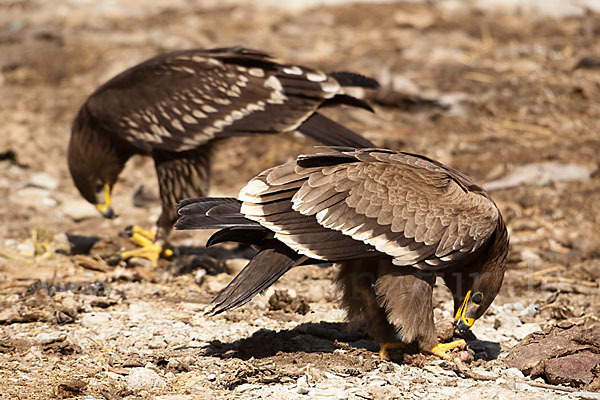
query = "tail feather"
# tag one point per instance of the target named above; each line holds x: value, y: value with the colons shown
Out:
x: 261, y: 272
x: 353, y: 79
x: 347, y: 100
x: 188, y: 222
x: 331, y: 133
x: 211, y: 213
x: 253, y: 235
x: 198, y: 205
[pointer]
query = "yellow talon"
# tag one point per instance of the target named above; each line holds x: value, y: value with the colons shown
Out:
x: 383, y: 349
x: 442, y: 349
x: 144, y: 232
x: 149, y: 250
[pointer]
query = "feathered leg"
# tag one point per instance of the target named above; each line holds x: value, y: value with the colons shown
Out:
x: 180, y: 176
x: 356, y: 279
x: 406, y: 295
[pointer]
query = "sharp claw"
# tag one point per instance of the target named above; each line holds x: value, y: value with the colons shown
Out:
x: 442, y: 349
x: 149, y: 250
x: 131, y: 230
x: 152, y: 254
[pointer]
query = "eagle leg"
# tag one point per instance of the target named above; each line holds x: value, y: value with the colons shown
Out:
x: 385, y: 347
x: 441, y: 349
x: 148, y: 250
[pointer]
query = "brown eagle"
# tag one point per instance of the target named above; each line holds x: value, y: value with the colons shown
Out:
x: 394, y: 221
x: 174, y: 106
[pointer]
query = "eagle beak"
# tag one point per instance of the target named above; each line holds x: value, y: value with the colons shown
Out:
x: 105, y: 208
x: 464, y: 323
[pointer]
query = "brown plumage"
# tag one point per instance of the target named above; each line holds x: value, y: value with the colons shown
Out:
x: 393, y: 220
x: 174, y: 106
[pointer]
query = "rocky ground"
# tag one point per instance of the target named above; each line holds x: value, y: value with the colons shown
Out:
x: 509, y: 97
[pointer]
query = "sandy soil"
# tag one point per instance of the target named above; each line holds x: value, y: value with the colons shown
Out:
x: 490, y: 93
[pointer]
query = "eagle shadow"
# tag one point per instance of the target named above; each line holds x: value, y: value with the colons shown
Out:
x: 321, y: 337
x: 309, y: 337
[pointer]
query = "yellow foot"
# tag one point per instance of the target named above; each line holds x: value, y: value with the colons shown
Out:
x: 149, y: 250
x: 383, y: 349
x: 442, y: 349
x: 133, y: 229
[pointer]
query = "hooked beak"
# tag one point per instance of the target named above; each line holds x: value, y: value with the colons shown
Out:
x: 464, y: 323
x: 105, y: 208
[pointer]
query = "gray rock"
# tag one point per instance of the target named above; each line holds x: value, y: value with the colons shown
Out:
x: 215, y: 286
x: 139, y: 262
x: 520, y: 332
x: 144, y: 378
x: 540, y: 174
x: 35, y: 198
x: 95, y: 319
x: 157, y: 342
x: 44, y: 181
x: 513, y: 373
x: 78, y: 209
x: 199, y: 276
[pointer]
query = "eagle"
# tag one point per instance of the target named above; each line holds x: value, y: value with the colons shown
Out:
x: 175, y: 106
x: 393, y: 221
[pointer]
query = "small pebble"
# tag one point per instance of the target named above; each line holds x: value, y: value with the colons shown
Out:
x: 144, y: 378
x: 199, y: 277
x: 303, y: 390
x: 78, y: 209
x: 513, y: 373
x: 44, y: 181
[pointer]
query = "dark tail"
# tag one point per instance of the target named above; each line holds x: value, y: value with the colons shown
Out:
x: 331, y: 133
x: 251, y: 235
x: 353, y: 79
x: 211, y: 213
x: 273, y: 260
x: 262, y: 271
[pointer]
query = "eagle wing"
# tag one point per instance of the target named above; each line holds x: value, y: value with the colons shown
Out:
x: 180, y: 100
x: 337, y: 205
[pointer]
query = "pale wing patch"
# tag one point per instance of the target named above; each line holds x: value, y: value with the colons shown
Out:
x: 436, y: 220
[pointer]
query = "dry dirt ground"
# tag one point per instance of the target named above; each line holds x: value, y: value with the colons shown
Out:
x: 494, y: 93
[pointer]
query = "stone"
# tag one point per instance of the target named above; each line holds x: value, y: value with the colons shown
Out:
x: 513, y: 373
x: 562, y: 354
x: 199, y: 276
x: 520, y: 332
x: 78, y: 209
x: 139, y: 262
x: 44, y: 181
x: 215, y: 286
x: 94, y: 319
x: 144, y: 378
x: 35, y: 198
x: 573, y: 369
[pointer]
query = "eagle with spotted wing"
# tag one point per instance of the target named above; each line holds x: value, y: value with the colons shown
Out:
x: 175, y: 106
x: 394, y: 221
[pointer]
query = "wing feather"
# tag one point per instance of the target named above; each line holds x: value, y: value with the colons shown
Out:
x: 403, y: 205
x: 180, y: 100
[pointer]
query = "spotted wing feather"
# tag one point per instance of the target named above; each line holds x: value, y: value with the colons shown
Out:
x: 406, y: 206
x: 180, y: 100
